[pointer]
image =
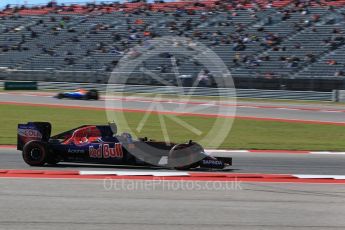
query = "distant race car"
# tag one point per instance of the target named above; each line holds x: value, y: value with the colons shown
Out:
x: 101, y: 144
x: 80, y: 94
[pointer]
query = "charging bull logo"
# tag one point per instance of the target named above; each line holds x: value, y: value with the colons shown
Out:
x: 104, y: 151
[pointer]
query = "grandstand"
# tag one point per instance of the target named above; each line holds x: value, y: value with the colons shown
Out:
x: 277, y: 44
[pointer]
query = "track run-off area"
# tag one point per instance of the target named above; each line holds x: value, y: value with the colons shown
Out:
x: 285, y: 112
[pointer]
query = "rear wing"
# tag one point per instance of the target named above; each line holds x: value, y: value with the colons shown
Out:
x: 39, y: 131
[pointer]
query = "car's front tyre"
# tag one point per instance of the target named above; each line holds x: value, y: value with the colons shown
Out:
x: 185, y: 156
x: 92, y: 95
x: 60, y: 96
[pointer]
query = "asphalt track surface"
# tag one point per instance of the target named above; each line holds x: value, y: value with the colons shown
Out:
x: 274, y: 163
x: 90, y: 205
x: 298, y: 112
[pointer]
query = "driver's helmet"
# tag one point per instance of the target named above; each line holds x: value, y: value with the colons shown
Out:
x: 83, y: 91
x: 83, y: 140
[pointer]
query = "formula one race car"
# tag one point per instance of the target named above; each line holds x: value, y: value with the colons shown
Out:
x: 80, y: 94
x: 101, y: 144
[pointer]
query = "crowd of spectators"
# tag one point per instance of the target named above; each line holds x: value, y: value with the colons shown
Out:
x: 137, y: 6
x: 140, y: 31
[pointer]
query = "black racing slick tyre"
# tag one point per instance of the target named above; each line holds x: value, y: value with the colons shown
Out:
x: 35, y: 153
x: 60, y: 96
x: 185, y: 156
x: 92, y: 95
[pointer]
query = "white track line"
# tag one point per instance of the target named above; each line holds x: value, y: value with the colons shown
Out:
x: 226, y: 151
x: 166, y: 174
x: 134, y: 173
x: 307, y: 176
x: 328, y: 153
x: 272, y: 152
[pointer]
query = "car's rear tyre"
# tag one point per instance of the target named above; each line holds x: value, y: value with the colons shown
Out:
x: 92, y: 95
x: 35, y: 153
x: 185, y: 156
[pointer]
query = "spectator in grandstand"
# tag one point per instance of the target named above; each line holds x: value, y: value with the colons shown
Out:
x: 286, y: 15
x: 134, y: 53
x: 133, y: 36
x: 238, y: 46
x: 316, y: 18
x: 268, y: 75
x: 298, y: 46
x: 115, y: 50
x: 62, y: 24
x: 237, y: 59
x: 203, y: 78
x: 305, y: 11
x: 33, y: 34
x: 23, y: 39
x: 270, y: 40
x: 116, y: 37
x: 69, y: 61
x: 292, y: 61
x: 269, y: 21
x: 264, y: 57
x: 309, y: 58
x: 253, y: 61
x: 139, y: 22
x: 336, y: 31
x: 68, y: 53
x: 339, y: 73
x: 298, y: 27
x: 332, y: 62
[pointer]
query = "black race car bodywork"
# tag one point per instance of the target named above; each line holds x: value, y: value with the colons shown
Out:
x: 100, y: 144
x: 80, y: 95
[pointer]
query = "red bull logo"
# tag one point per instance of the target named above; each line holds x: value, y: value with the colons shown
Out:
x: 104, y: 151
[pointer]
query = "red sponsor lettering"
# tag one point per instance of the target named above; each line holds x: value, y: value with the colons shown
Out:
x: 118, y: 150
x: 92, y: 152
x: 104, y: 151
x: 112, y: 152
x: 99, y: 152
x: 95, y: 153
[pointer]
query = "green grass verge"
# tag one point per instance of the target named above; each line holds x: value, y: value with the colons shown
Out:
x: 245, y: 134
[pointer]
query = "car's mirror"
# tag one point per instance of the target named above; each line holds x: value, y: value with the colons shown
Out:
x: 113, y: 127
